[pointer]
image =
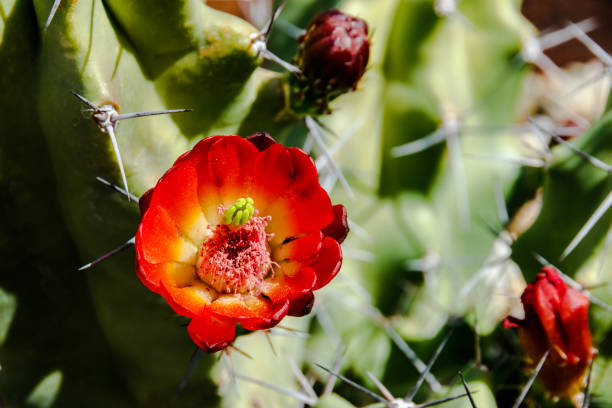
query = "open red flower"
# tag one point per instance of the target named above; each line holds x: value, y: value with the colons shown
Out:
x: 238, y: 231
x: 556, y: 319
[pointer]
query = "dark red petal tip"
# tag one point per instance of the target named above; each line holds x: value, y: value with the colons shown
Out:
x: 338, y: 229
x: 261, y: 140
x: 302, y: 305
x: 144, y: 201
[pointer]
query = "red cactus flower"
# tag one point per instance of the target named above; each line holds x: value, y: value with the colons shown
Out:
x: 238, y: 231
x: 556, y: 319
x: 334, y: 51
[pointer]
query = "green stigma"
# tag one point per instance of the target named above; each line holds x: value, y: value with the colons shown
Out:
x: 240, y: 212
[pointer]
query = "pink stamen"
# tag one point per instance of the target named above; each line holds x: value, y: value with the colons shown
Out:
x: 236, y: 259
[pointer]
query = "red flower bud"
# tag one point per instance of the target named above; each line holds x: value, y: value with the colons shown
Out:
x: 556, y: 319
x: 334, y: 51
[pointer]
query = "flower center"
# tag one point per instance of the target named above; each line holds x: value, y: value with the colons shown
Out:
x: 235, y: 258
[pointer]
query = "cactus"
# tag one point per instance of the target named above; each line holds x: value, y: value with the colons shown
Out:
x: 457, y: 196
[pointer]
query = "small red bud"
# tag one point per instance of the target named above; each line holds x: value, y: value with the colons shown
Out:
x: 556, y: 319
x: 334, y: 51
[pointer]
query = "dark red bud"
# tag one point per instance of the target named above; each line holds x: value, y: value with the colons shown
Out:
x: 334, y: 51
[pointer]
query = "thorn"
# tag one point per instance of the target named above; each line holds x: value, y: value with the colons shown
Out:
x: 590, y: 81
x: 267, y: 334
x: 111, y: 134
x: 591, y: 159
x: 586, y: 228
x: 244, y: 353
x: 358, y: 254
x: 327, y: 324
x: 117, y: 189
x: 355, y: 385
x: 383, y: 390
x: 412, y: 357
x: 275, y: 15
x: 322, y: 161
x: 106, y: 117
x: 229, y: 366
x: 85, y: 101
x: 456, y: 164
x: 290, y: 29
x: 590, y: 44
x: 195, y: 359
x: 54, y: 8
x: 500, y: 200
x: 150, y: 113
x: 331, y: 381
x: 441, y: 401
x: 580, y: 120
x: 359, y: 230
x: 289, y: 332
x: 604, y: 252
x: 587, y: 389
x: 527, y: 386
x: 260, y: 47
x: 355, y: 287
x: 306, y: 386
x: 294, y: 394
x: 419, y: 382
x: 104, y: 257
x: 308, y: 144
x: 314, y: 132
x: 469, y: 394
x: 379, y: 319
x: 419, y: 145
x: 522, y: 161
x: 558, y: 37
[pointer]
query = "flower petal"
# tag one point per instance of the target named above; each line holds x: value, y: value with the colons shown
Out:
x: 279, y: 312
x: 575, y: 317
x: 338, y: 229
x: 240, y: 307
x: 302, y: 305
x: 299, y: 249
x: 327, y: 263
x: 177, y: 193
x: 226, y: 174
x: 150, y: 274
x: 184, y: 292
x: 285, y: 186
x: 261, y: 140
x: 270, y: 178
x: 212, y: 333
x: 547, y: 302
x: 159, y: 241
x: 190, y: 300
x: 284, y: 287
